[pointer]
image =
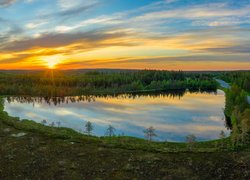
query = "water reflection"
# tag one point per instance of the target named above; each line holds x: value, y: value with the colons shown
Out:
x: 173, y: 115
x: 91, y: 98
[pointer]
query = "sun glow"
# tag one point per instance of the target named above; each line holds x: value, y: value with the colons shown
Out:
x: 52, y: 61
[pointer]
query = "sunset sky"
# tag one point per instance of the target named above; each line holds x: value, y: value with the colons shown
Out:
x: 125, y: 34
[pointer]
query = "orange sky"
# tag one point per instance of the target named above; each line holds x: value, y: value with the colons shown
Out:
x: 170, y: 35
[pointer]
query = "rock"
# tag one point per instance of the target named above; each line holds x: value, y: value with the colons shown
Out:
x: 9, y: 157
x: 18, y: 134
x: 6, y: 130
x: 42, y: 143
x: 81, y: 154
x: 73, y: 166
x: 61, y: 163
x: 128, y: 167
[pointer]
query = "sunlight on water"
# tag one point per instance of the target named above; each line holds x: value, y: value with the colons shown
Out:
x: 173, y: 117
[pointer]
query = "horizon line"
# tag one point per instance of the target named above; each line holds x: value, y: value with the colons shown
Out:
x: 123, y: 69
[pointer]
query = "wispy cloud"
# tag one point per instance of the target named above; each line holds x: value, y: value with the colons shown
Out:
x: 69, y: 8
x: 102, y: 20
x: 63, y: 39
x: 4, y: 3
x: 198, y: 12
x: 33, y: 25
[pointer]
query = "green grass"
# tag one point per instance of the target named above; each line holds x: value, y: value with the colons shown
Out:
x: 36, y: 156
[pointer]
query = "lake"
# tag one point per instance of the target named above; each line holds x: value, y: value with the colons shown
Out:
x: 173, y: 115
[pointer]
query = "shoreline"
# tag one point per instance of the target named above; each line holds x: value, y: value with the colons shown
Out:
x: 161, y: 145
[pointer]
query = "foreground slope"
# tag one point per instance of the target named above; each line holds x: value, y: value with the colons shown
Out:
x: 33, y: 155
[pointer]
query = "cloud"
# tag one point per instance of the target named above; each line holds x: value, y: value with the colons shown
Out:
x: 184, y: 59
x: 190, y: 58
x: 198, y: 12
x: 14, y: 59
x: 29, y: 1
x: 8, y: 30
x: 60, y: 44
x: 4, y: 3
x: 2, y: 20
x: 51, y: 40
x: 153, y: 19
x: 66, y: 9
x: 160, y: 32
x: 66, y: 5
x: 23, y: 56
x: 35, y: 24
x: 75, y: 11
x: 165, y: 62
x: 170, y: 1
x: 242, y: 48
x: 70, y: 8
x: 102, y: 20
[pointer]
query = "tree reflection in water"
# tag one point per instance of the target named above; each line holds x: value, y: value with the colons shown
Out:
x: 91, y: 98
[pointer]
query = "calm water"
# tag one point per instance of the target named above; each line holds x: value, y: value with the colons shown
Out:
x: 173, y: 116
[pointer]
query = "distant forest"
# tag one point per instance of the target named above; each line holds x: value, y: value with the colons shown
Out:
x: 59, y: 83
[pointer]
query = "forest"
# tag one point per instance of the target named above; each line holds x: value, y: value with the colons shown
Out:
x: 59, y: 83
x: 237, y: 106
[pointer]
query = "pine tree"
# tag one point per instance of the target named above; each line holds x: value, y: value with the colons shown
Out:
x: 89, y: 128
x: 110, y: 131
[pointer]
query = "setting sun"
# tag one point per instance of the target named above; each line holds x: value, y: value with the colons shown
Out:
x: 52, y: 61
x: 51, y: 65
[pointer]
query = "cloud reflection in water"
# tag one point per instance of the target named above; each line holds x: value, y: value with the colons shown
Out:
x: 173, y: 118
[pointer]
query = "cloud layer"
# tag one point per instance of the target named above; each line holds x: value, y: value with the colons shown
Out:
x: 6, y: 2
x: 119, y: 34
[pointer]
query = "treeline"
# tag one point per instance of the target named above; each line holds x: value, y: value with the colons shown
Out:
x: 90, y: 98
x: 241, y: 79
x: 56, y: 83
x: 237, y: 106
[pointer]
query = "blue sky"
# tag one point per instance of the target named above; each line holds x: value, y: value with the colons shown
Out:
x: 153, y: 34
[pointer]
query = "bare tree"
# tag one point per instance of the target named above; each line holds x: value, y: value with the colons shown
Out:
x: 191, y: 139
x: 222, y: 135
x: 110, y: 131
x: 52, y: 124
x: 149, y: 133
x: 89, y: 128
x: 44, y: 122
x: 58, y: 123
